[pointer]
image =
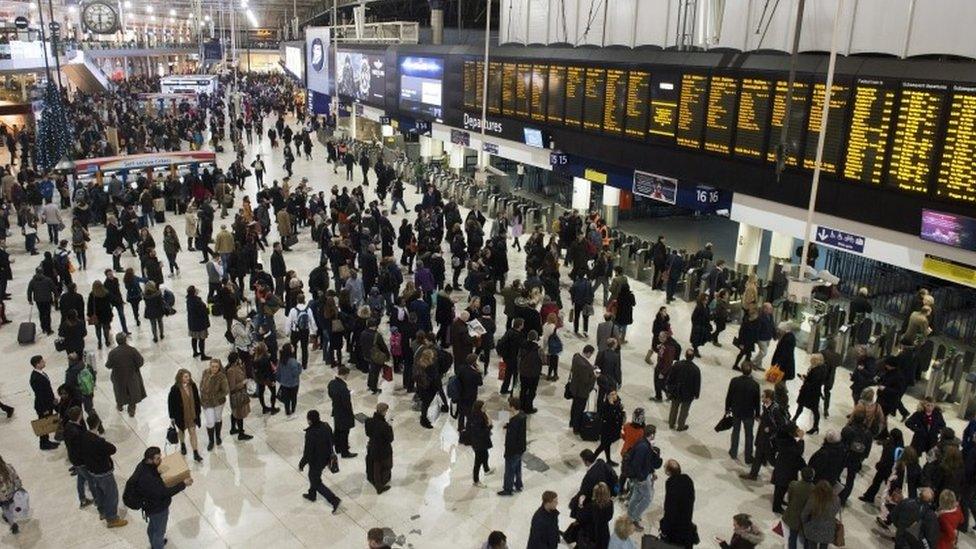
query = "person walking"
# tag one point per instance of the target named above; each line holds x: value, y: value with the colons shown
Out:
x: 818, y: 520
x: 214, y: 389
x: 789, y: 463
x: 544, y: 531
x: 745, y: 534
x: 925, y: 424
x: 811, y: 391
x: 582, y: 379
x: 677, y: 525
x: 289, y: 376
x: 379, y: 449
x: 343, y: 419
x: 41, y: 291
x: 529, y: 371
x: 154, y: 495
x: 611, y: 414
x: 197, y: 323
x: 515, y: 446
x: 125, y: 363
x: 155, y: 311
x: 701, y: 324
x: 317, y: 455
x: 100, y: 313
x: 772, y: 420
x: 240, y: 400
x: 798, y: 494
x: 44, y: 399
x: 478, y: 435
x: 184, y: 410
x: 742, y: 404
x: 96, y: 457
x: 643, y: 461
x: 683, y: 386
x: 595, y: 514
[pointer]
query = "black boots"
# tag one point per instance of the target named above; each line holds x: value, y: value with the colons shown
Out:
x: 233, y: 426
x: 203, y: 353
x: 210, y: 439
x: 183, y: 448
x: 218, y: 427
x: 241, y: 435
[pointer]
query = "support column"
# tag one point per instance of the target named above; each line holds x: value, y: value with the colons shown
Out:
x: 611, y: 205
x: 780, y: 252
x: 747, y: 247
x: 437, y: 21
x: 425, y: 148
x: 581, y: 194
x: 457, y: 157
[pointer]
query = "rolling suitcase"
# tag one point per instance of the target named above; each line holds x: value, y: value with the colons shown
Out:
x: 27, y: 330
x: 590, y: 431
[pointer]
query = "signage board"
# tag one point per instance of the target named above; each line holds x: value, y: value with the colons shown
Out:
x: 317, y: 58
x: 490, y: 148
x: 840, y: 239
x: 460, y: 137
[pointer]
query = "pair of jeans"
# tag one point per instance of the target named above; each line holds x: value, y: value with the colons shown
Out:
x: 120, y: 309
x: 82, y: 479
x: 157, y: 528
x: 289, y: 398
x: 106, y: 492
x: 52, y: 232
x: 746, y: 423
x: 513, y: 474
x: 757, y: 359
x: 641, y: 494
x: 82, y: 257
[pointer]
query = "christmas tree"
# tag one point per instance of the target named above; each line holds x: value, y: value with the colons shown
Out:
x: 53, y: 133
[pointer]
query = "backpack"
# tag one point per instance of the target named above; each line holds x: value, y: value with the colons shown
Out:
x: 131, y: 495
x: 453, y: 388
x: 860, y: 447
x: 86, y: 381
x: 169, y: 300
x: 554, y: 345
x: 302, y: 321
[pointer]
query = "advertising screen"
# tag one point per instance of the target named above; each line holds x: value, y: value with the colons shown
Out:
x: 361, y: 76
x: 533, y: 138
x: 317, y: 59
x: 953, y: 230
x: 293, y: 61
x: 420, y: 85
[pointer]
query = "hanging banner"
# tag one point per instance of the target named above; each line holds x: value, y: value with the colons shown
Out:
x: 317, y: 58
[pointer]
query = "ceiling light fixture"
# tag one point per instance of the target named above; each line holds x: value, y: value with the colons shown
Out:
x: 149, y: 9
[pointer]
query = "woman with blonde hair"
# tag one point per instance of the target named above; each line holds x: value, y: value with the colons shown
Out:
x: 184, y: 410
x: 214, y: 389
x: 623, y: 528
x: 594, y: 518
x: 950, y: 517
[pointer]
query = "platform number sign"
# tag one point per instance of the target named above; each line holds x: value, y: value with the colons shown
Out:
x: 558, y: 159
x: 707, y: 197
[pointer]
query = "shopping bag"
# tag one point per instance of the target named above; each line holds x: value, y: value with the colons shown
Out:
x: 774, y: 375
x: 174, y: 470
x: 18, y: 508
x: 433, y: 412
x: 388, y: 373
x: 47, y: 425
x: 805, y: 421
x: 502, y: 367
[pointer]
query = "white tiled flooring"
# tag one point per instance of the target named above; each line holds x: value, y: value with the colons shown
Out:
x: 248, y: 494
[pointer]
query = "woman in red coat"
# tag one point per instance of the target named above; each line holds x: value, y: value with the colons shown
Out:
x: 950, y: 517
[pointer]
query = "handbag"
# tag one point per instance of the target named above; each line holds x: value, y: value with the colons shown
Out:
x: 18, y: 508
x: 566, y: 392
x: 388, y: 373
x: 571, y: 535
x: 251, y: 386
x: 587, y: 310
x: 376, y: 355
x: 171, y: 436
x: 649, y: 356
x: 839, y: 532
x: 502, y: 367
x: 59, y: 344
x: 334, y: 464
x: 774, y: 375
x: 724, y: 424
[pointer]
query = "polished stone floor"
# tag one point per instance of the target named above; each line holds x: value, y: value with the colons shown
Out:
x: 248, y: 494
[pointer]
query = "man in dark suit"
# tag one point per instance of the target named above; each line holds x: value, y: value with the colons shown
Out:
x: 317, y: 455
x: 683, y: 386
x: 597, y: 471
x: 44, y: 399
x: 342, y: 414
x: 470, y: 379
x: 544, y: 532
x: 508, y: 348
x: 742, y: 403
x: 515, y: 444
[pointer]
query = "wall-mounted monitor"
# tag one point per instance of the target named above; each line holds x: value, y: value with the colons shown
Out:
x: 421, y: 80
x: 958, y: 231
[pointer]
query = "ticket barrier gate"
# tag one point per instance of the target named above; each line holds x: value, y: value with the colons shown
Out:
x: 622, y: 257
x: 482, y: 197
x: 638, y: 260
x: 967, y: 401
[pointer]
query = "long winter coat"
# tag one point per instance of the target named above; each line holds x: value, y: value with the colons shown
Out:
x: 125, y: 362
x: 237, y: 383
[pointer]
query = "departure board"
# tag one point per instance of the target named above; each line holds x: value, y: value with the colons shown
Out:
x: 556, y: 92
x: 494, y: 87
x: 638, y: 93
x: 798, y: 115
x: 509, y: 78
x: 691, y: 110
x: 594, y: 96
x: 868, y: 134
x: 615, y: 102
x: 523, y: 86
x: 479, y: 83
x: 470, y: 70
x: 752, y: 117
x: 839, y: 97
x: 957, y: 172
x: 538, y: 93
x: 575, y: 78
x: 665, y: 93
x: 914, y: 140
x: 719, y: 119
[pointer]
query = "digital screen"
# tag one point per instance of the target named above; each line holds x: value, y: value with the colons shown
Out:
x: 556, y: 93
x: 420, y: 85
x: 494, y: 87
x: 362, y: 77
x: 691, y: 110
x: 753, y: 117
x: 294, y: 61
x: 719, y: 119
x: 575, y: 77
x: 839, y: 96
x: 957, y: 171
x: 868, y: 134
x: 538, y: 92
x: 913, y: 144
x: 523, y: 84
x: 470, y: 70
x: 615, y: 102
x: 954, y: 230
x: 798, y: 115
x: 665, y: 93
x: 638, y: 94
x: 509, y: 78
x: 533, y: 138
x: 596, y: 87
